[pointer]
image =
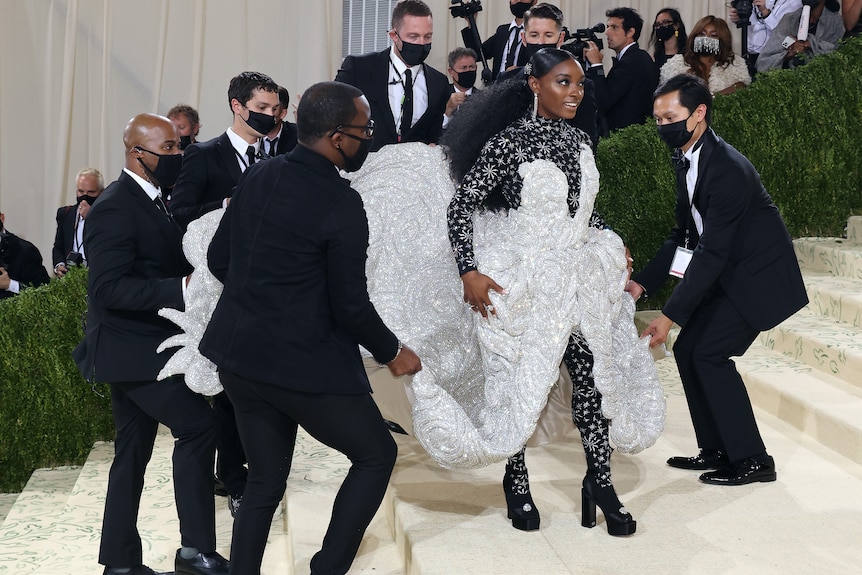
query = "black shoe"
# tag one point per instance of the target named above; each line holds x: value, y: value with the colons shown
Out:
x: 620, y: 522
x: 394, y: 427
x: 138, y: 570
x: 742, y: 473
x: 202, y: 564
x: 706, y: 459
x: 219, y: 488
x: 233, y: 504
x: 522, y: 510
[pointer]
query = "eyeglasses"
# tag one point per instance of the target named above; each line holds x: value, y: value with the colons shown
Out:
x: 663, y: 23
x: 369, y: 129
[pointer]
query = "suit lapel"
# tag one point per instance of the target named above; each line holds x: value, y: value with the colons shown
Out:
x: 227, y: 153
x: 710, y: 140
x: 379, y: 99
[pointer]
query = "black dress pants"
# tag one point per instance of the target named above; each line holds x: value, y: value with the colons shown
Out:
x: 267, y: 417
x: 230, y: 460
x: 138, y: 409
x: 717, y: 399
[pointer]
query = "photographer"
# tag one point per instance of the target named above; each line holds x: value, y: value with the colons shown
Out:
x: 624, y: 96
x: 20, y: 263
x: 68, y: 247
x: 504, y: 47
x: 765, y: 16
x: 785, y: 50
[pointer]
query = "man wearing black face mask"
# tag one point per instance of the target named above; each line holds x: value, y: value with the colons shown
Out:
x: 504, y: 48
x: 292, y: 358
x: 137, y: 266
x: 462, y: 70
x: 407, y: 96
x: 69, y: 238
x: 739, y: 277
x: 188, y: 123
x: 211, y: 169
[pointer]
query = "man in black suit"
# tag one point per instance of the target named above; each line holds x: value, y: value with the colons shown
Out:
x: 282, y: 138
x: 294, y: 309
x: 624, y: 96
x: 69, y: 238
x: 136, y: 267
x: 462, y: 70
x: 212, y: 168
x: 739, y: 277
x: 188, y: 123
x: 504, y: 48
x: 20, y: 263
x: 407, y: 96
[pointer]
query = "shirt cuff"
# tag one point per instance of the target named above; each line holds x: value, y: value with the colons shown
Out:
x: 14, y: 286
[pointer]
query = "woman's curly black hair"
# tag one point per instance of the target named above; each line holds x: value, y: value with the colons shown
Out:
x: 487, y: 112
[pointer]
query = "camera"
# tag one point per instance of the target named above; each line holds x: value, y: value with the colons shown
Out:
x: 464, y: 8
x: 744, y: 9
x: 74, y: 259
x: 575, y: 42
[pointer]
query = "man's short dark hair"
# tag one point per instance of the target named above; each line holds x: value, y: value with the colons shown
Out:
x: 323, y: 107
x: 408, y: 8
x: 545, y: 11
x: 459, y: 53
x: 630, y: 18
x: 185, y: 110
x: 243, y: 86
x: 693, y: 91
x: 283, y: 97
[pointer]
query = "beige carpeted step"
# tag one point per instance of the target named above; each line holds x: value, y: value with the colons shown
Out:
x: 27, y: 531
x: 854, y: 229
x: 834, y: 297
x: 834, y: 256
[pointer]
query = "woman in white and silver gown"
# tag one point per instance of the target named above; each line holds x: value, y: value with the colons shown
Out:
x: 490, y: 386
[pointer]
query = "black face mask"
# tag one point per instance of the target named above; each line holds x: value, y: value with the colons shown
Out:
x: 811, y: 3
x: 675, y: 135
x: 414, y: 54
x: 467, y: 79
x: 185, y: 141
x: 665, y: 33
x: 354, y: 162
x: 86, y: 198
x: 519, y: 9
x: 533, y: 48
x: 167, y: 170
x: 260, y: 123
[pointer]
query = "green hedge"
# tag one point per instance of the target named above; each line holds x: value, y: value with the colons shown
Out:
x: 802, y: 130
x: 49, y: 415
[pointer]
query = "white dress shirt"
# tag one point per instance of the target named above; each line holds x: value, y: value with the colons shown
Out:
x: 396, y: 89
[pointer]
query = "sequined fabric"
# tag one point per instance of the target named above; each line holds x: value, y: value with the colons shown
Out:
x: 202, y: 294
x: 484, y: 383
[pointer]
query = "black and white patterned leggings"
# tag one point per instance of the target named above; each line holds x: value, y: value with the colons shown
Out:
x: 586, y: 414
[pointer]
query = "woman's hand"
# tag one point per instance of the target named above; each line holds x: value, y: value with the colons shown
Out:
x: 476, y: 288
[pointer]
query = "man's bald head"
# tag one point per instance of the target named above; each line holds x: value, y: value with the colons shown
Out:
x: 147, y: 137
x: 139, y: 129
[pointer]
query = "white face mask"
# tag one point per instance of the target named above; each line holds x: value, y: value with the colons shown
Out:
x: 706, y: 45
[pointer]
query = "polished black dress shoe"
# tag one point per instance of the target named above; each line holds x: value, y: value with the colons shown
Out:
x: 138, y: 570
x: 202, y: 564
x: 706, y: 459
x: 742, y: 473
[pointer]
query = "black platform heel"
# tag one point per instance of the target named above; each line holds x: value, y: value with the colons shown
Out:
x: 620, y: 522
x: 522, y: 510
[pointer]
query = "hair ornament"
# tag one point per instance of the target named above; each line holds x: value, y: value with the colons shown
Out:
x: 528, y: 69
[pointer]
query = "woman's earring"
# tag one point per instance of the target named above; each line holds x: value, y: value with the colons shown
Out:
x: 676, y: 33
x: 535, y: 104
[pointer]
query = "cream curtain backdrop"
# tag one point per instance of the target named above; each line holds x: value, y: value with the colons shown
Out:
x: 72, y: 73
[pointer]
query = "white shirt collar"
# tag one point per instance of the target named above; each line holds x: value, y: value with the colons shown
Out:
x: 514, y: 25
x: 152, y: 191
x: 239, y: 143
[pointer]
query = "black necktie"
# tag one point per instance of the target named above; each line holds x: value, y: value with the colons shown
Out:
x: 680, y: 162
x: 407, y: 103
x: 250, y: 154
x: 513, y: 47
x: 272, y: 144
x: 161, y: 205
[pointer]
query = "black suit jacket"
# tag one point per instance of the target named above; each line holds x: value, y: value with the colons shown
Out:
x: 136, y: 263
x: 291, y: 251
x: 370, y: 73
x: 287, y: 139
x: 210, y: 172
x: 23, y: 263
x: 624, y: 96
x: 745, y: 249
x: 494, y: 48
x: 64, y: 239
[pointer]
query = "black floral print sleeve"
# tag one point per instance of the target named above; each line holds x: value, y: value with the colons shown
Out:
x: 496, y: 170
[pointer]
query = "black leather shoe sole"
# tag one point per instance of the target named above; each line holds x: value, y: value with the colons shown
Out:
x: 729, y: 476
x: 700, y: 462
